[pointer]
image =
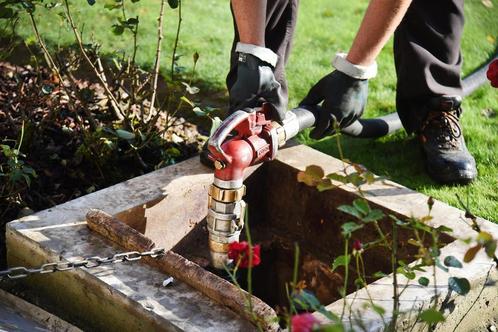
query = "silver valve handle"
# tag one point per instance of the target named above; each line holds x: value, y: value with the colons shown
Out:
x: 221, y: 134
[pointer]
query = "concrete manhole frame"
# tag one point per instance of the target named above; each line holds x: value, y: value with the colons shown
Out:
x: 130, y: 296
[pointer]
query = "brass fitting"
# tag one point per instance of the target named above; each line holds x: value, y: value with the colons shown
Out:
x: 225, y: 220
x: 226, y: 195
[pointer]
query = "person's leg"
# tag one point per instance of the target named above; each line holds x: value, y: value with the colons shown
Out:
x: 428, y: 65
x: 281, y: 18
x: 427, y: 56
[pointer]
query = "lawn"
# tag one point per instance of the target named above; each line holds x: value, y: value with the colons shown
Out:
x: 324, y: 27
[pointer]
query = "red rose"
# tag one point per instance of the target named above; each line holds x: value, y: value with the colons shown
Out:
x: 357, y: 245
x: 239, y: 252
x: 492, y: 73
x: 303, y: 322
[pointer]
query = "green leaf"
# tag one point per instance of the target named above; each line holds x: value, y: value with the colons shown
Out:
x: 27, y: 179
x: 209, y: 109
x: 132, y: 21
x: 7, y: 151
x: 350, y: 227
x: 337, y: 327
x: 350, y: 210
x: 342, y: 260
x: 191, y: 89
x: 419, y: 267
x: 441, y: 266
x: 325, y: 184
x: 378, y: 309
x: 452, y: 261
x: 311, y: 176
x: 308, y: 299
x: 28, y: 5
x: 110, y: 6
x: 198, y: 111
x: 173, y: 3
x: 117, y: 29
x: 173, y: 152
x: 471, y: 253
x: 374, y: 215
x: 188, y: 101
x: 435, y: 251
x: 361, y: 205
x: 431, y: 316
x: 484, y: 237
x: 444, y: 229
x: 215, y: 123
x: 407, y: 272
x: 359, y: 283
x: 30, y: 171
x: 369, y: 177
x: 195, y: 57
x: 330, y: 315
x: 124, y: 134
x: 423, y: 281
x: 337, y: 177
x: 379, y: 274
x: 315, y: 171
x: 459, y: 285
x: 356, y: 179
x: 490, y: 248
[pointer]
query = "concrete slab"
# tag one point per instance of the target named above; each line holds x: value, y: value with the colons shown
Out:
x: 130, y: 296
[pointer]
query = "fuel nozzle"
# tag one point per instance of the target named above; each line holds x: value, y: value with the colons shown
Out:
x: 245, y: 138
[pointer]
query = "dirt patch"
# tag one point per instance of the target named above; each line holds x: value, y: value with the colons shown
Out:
x: 60, y: 155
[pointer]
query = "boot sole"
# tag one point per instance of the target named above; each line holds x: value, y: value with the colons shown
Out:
x: 463, y: 177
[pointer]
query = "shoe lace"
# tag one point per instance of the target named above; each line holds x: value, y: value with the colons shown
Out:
x: 444, y: 127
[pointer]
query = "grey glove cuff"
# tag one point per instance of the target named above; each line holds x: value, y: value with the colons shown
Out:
x: 356, y: 71
x: 262, y: 53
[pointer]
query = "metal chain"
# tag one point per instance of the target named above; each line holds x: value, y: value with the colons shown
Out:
x: 89, y: 262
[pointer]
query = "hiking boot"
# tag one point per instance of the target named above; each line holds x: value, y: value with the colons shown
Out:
x: 447, y: 159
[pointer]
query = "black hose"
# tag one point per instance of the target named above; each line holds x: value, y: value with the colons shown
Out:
x: 388, y: 124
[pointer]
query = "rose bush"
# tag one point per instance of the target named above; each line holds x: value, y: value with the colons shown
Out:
x: 240, y: 251
x: 303, y: 322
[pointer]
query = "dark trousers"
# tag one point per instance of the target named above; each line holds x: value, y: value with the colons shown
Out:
x: 426, y: 52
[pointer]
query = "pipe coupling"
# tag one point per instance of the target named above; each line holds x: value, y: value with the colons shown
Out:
x: 225, y: 220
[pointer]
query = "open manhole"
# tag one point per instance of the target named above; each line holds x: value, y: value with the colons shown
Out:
x: 281, y: 214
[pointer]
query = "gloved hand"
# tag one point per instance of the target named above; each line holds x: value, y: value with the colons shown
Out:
x: 344, y: 96
x: 256, y: 84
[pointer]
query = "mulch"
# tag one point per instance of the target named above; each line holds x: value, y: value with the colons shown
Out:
x: 53, y: 141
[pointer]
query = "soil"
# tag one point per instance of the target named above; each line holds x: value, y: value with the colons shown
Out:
x: 53, y: 146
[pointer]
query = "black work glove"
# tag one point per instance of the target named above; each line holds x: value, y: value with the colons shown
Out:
x: 344, y: 99
x: 256, y: 84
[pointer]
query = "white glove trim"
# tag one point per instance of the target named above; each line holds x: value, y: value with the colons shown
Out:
x: 260, y: 52
x: 356, y: 71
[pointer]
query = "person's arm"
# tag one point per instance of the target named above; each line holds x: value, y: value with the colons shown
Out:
x: 250, y: 16
x: 381, y: 19
x: 256, y: 80
x: 344, y: 92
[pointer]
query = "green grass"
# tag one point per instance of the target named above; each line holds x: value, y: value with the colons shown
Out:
x: 324, y: 27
